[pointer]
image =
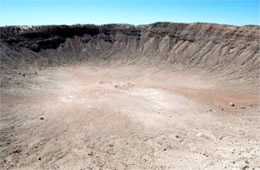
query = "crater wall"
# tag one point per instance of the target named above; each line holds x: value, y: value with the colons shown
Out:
x: 226, y: 49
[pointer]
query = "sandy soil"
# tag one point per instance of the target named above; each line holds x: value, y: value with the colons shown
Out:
x: 95, y: 117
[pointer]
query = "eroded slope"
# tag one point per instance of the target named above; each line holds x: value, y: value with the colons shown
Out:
x: 216, y: 48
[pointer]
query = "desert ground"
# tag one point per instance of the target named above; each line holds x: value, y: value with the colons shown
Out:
x: 89, y: 116
x: 163, y: 96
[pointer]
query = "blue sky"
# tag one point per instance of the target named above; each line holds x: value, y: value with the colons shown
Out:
x: 43, y: 12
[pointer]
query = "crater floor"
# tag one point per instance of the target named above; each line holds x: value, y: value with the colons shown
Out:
x: 127, y: 117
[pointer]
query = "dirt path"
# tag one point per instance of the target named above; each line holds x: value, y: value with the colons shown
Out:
x: 85, y: 117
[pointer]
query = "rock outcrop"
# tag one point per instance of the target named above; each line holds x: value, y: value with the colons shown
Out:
x: 217, y: 48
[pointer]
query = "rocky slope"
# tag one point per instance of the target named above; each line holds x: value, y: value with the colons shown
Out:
x: 219, y: 48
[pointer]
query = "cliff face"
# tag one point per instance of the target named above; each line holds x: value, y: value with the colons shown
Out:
x: 219, y: 48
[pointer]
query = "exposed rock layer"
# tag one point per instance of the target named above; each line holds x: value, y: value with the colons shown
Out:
x: 220, y: 48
